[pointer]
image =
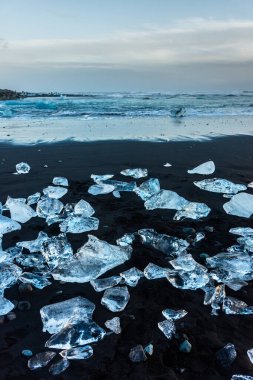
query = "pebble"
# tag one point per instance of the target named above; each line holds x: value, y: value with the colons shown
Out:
x: 189, y: 230
x: 25, y: 288
x: 24, y: 305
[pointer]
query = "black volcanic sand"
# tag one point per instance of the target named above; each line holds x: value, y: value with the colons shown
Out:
x: 234, y: 160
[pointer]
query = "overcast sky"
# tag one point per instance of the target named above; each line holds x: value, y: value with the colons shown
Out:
x: 134, y: 45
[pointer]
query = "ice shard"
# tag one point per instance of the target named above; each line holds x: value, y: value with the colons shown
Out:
x: 126, y: 240
x: 56, y: 250
x: 41, y: 359
x: 33, y: 199
x: 58, y: 367
x: 226, y: 355
x: 84, y: 208
x: 100, y: 284
x: 250, y: 355
x: 220, y: 185
x: 77, y: 353
x: 77, y: 224
x: 9, y: 274
x: 5, y: 305
x: 242, y: 231
x: 58, y: 315
x: 39, y: 282
x: 174, y: 314
x: 192, y: 280
x: 20, y: 211
x: 240, y: 264
x: 137, y: 354
x: 167, y: 327
x: 153, y: 271
x: 114, y: 325
x: 132, y: 276
x: 148, y: 188
x: 34, y: 245
x: 193, y: 210
x: 115, y: 299
x: 241, y: 377
x: 166, y: 199
x: 240, y: 205
x: 60, y: 181
x: 232, y: 305
x: 23, y: 168
x: 8, y: 225
x: 48, y: 206
x: 101, y: 188
x: 55, y: 192
x: 206, y: 168
x: 100, y: 178
x: 135, y: 173
x: 120, y: 185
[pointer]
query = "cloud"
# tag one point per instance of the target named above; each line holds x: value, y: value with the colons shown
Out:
x: 3, y: 44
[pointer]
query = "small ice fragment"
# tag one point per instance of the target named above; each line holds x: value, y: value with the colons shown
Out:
x: 242, y: 231
x: 77, y: 224
x: 56, y: 249
x: 153, y: 271
x: 250, y: 355
x: 5, y: 306
x: 166, y: 199
x: 38, y: 282
x: 101, y: 284
x: 174, y: 314
x: 23, y: 168
x: 199, y: 236
x: 116, y: 194
x: 59, y: 367
x: 167, y: 327
x: 193, y: 210
x: 240, y: 205
x: 77, y: 353
x: 125, y: 240
x: 149, y: 349
x: 100, y: 178
x: 58, y: 315
x: 241, y: 377
x: 115, y: 299
x: 41, y: 359
x: 101, y: 188
x: 220, y: 185
x: 33, y: 199
x: 205, y: 169
x: 55, y: 192
x: 60, y: 181
x: 9, y: 274
x: 120, y: 185
x: 232, y: 305
x: 226, y: 355
x: 27, y: 353
x: 240, y: 264
x: 20, y: 211
x: 114, y: 325
x: 185, y: 346
x: 48, y: 206
x: 8, y: 225
x: 167, y: 165
x: 135, y: 173
x: 84, y: 208
x: 192, y: 280
x: 34, y: 245
x: 148, y: 188
x: 132, y: 276
x: 137, y: 354
x: 250, y: 185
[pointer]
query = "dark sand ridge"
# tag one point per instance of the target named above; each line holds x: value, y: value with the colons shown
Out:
x: 234, y: 161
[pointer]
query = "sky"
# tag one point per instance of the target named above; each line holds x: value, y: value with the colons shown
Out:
x: 134, y: 45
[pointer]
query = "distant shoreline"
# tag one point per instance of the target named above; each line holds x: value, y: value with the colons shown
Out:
x: 14, y: 95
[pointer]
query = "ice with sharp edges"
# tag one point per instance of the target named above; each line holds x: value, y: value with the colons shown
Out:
x: 135, y: 173
x: 137, y: 354
x: 187, y: 263
x: 33, y: 199
x: 192, y: 280
x: 48, y: 206
x: 77, y: 224
x: 167, y: 327
x: 220, y: 185
x: 132, y: 276
x: 114, y: 325
x: 41, y: 359
x: 174, y: 314
x: 84, y: 208
x: 58, y: 315
x: 241, y: 377
x: 167, y: 165
x: 232, y: 305
x: 153, y: 271
x: 101, y: 188
x: 126, y: 240
x: 20, y: 211
x: 166, y: 199
x: 120, y: 185
x: 5, y: 305
x: 34, y: 245
x: 8, y: 225
x: 216, y: 299
x: 37, y: 281
x: 92, y: 260
x: 250, y: 355
x: 240, y: 205
x: 78, y: 334
x: 22, y: 168
x: 58, y: 367
x: 193, y: 210
x: 226, y: 355
x: 60, y: 181
x: 116, y: 299
x: 55, y: 192
x: 100, y: 178
x: 148, y: 188
x: 246, y: 242
x: 240, y: 264
x: 77, y: 353
x: 52, y: 219
x: 170, y: 245
x: 56, y: 249
x: 9, y: 274
x: 33, y: 260
x: 242, y: 231
x: 100, y: 284
x: 206, y: 168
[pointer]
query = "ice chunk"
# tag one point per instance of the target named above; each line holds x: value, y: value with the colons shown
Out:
x: 20, y: 211
x: 135, y: 173
x: 114, y: 325
x: 104, y: 283
x: 48, y: 206
x: 232, y: 305
x: 125, y: 240
x: 167, y: 165
x: 167, y: 327
x: 241, y: 377
x: 9, y: 273
x: 33, y: 199
x: 240, y: 205
x: 205, y: 169
x: 56, y: 249
x: 52, y: 219
x: 116, y: 194
x: 149, y: 349
x: 77, y: 224
x: 37, y: 281
x: 231, y: 261
x: 193, y: 280
x: 250, y: 185
x: 60, y: 181
x: 250, y: 355
x: 226, y: 355
x: 100, y: 178
x: 92, y: 260
x: 132, y: 276
x: 78, y: 334
x: 55, y: 192
x: 153, y: 271
x: 219, y: 185
x: 84, y: 208
x: 166, y: 199
x: 41, y: 359
x: 174, y: 314
x: 5, y: 306
x: 120, y: 185
x: 77, y: 353
x: 58, y: 315
x: 116, y: 299
x: 242, y: 231
x: 59, y: 367
x: 137, y: 354
x: 23, y: 168
x: 101, y: 188
x: 34, y: 245
x: 8, y: 225
x: 148, y: 188
x: 32, y: 260
x: 193, y: 210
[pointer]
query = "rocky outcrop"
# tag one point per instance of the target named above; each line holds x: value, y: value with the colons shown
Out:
x: 10, y: 95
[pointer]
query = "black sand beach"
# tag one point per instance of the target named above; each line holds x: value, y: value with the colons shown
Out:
x: 233, y: 157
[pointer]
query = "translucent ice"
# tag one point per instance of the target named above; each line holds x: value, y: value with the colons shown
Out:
x: 58, y: 315
x: 166, y: 199
x: 114, y: 325
x: 193, y: 210
x: 20, y: 211
x: 116, y: 194
x: 58, y: 367
x: 41, y: 359
x: 101, y: 284
x: 56, y: 250
x: 205, y: 169
x: 77, y: 224
x: 120, y: 185
x: 219, y: 185
x: 34, y: 245
x: 241, y: 377
x: 232, y: 305
x: 115, y: 299
x: 77, y: 353
x: 33, y: 199
x: 37, y: 281
x: 135, y: 173
x: 9, y: 274
x: 55, y: 192
x: 100, y: 178
x: 240, y: 205
x: 226, y: 355
x: 167, y: 327
x: 137, y: 354
x: 242, y: 231
x: 250, y: 355
x: 193, y: 280
x: 132, y: 276
x: 126, y: 240
x: 173, y: 314
x: 5, y: 306
x: 23, y: 168
x: 101, y: 188
x: 84, y: 208
x: 60, y: 181
x: 8, y: 225
x: 153, y: 271
x: 148, y: 188
x: 48, y: 206
x: 231, y: 261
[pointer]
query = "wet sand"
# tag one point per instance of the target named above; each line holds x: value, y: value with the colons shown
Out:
x: 233, y: 157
